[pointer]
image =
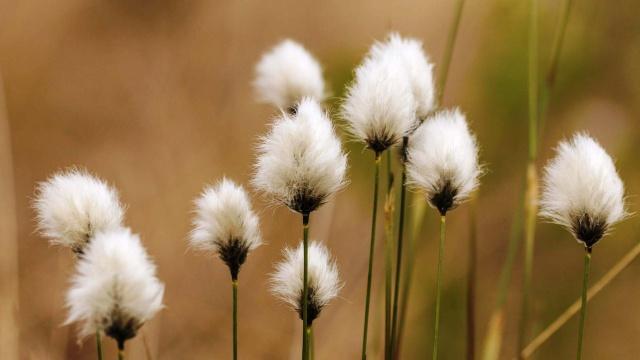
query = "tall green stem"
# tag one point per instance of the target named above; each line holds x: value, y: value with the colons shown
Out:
x: 99, y: 345
x: 396, y: 291
x: 436, y: 332
x: 389, y: 211
x: 120, y: 350
x: 471, y: 283
x: 532, y: 180
x: 305, y: 282
x: 583, y: 309
x: 376, y: 182
x: 448, y: 52
x: 312, y: 347
x: 234, y: 285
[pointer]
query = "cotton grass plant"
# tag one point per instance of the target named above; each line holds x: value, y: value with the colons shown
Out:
x: 582, y: 192
x: 442, y: 162
x: 301, y: 164
x: 225, y: 225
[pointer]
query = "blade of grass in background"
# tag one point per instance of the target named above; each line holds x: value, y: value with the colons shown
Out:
x: 531, y: 191
x: 615, y: 270
x: 419, y: 207
x: 495, y: 332
x: 9, y: 296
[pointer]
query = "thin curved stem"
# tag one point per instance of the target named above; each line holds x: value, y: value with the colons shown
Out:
x: 99, y: 344
x: 583, y: 308
x: 436, y: 337
x: 451, y: 40
x: 396, y: 292
x: 305, y: 281
x: 376, y: 182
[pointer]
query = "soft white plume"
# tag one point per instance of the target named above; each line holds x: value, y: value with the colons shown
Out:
x: 74, y: 205
x: 115, y: 289
x: 323, y: 278
x: 301, y: 162
x: 443, y: 160
x: 380, y: 107
x: 417, y: 65
x: 226, y: 224
x: 288, y: 73
x: 582, y: 190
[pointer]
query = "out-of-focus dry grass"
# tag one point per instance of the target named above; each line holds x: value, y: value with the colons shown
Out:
x: 155, y: 97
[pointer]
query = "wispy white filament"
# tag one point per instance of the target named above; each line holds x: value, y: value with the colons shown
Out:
x: 115, y: 289
x: 288, y: 73
x: 443, y: 160
x: 74, y: 205
x: 581, y: 185
x: 323, y: 278
x: 380, y: 107
x: 301, y: 162
x: 417, y: 65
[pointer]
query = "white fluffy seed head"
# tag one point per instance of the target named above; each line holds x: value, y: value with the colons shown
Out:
x: 74, y: 205
x: 115, y: 289
x: 417, y: 65
x: 323, y: 279
x: 443, y: 160
x: 301, y: 162
x: 380, y: 107
x: 288, y: 73
x: 225, y: 224
x: 582, y: 190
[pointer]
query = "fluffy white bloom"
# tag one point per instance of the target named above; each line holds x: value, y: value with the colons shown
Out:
x: 380, y: 107
x: 443, y: 160
x: 301, y: 162
x: 226, y: 224
x: 286, y: 74
x: 115, y: 289
x: 416, y: 63
x: 323, y: 279
x: 582, y: 190
x: 74, y: 205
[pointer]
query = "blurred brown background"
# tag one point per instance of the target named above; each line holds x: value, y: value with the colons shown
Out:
x: 155, y: 97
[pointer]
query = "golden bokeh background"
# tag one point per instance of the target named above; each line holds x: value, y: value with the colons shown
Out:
x: 156, y: 98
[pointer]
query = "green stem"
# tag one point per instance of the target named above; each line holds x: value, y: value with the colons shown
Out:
x: 446, y: 61
x: 234, y: 285
x: 99, y: 345
x: 436, y: 336
x: 583, y: 309
x: 471, y: 282
x: 312, y: 347
x: 533, y: 80
x: 120, y: 350
x: 376, y: 181
x: 305, y: 291
x: 388, y: 263
x: 396, y: 292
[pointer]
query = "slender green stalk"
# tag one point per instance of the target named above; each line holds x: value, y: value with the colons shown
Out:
x: 234, y: 285
x: 436, y: 332
x: 446, y: 60
x: 305, y: 282
x: 120, y: 350
x: 606, y: 279
x: 389, y: 210
x: 312, y: 347
x: 419, y: 210
x: 396, y: 291
x: 376, y: 182
x: 99, y: 345
x: 583, y: 308
x: 471, y: 282
x: 532, y: 181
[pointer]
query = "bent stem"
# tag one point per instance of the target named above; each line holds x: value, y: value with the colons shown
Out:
x: 305, y: 291
x: 99, y: 344
x: 583, y: 308
x: 376, y: 181
x: 443, y: 223
x: 606, y: 279
x: 389, y: 210
x: 396, y: 291
x: 234, y: 285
